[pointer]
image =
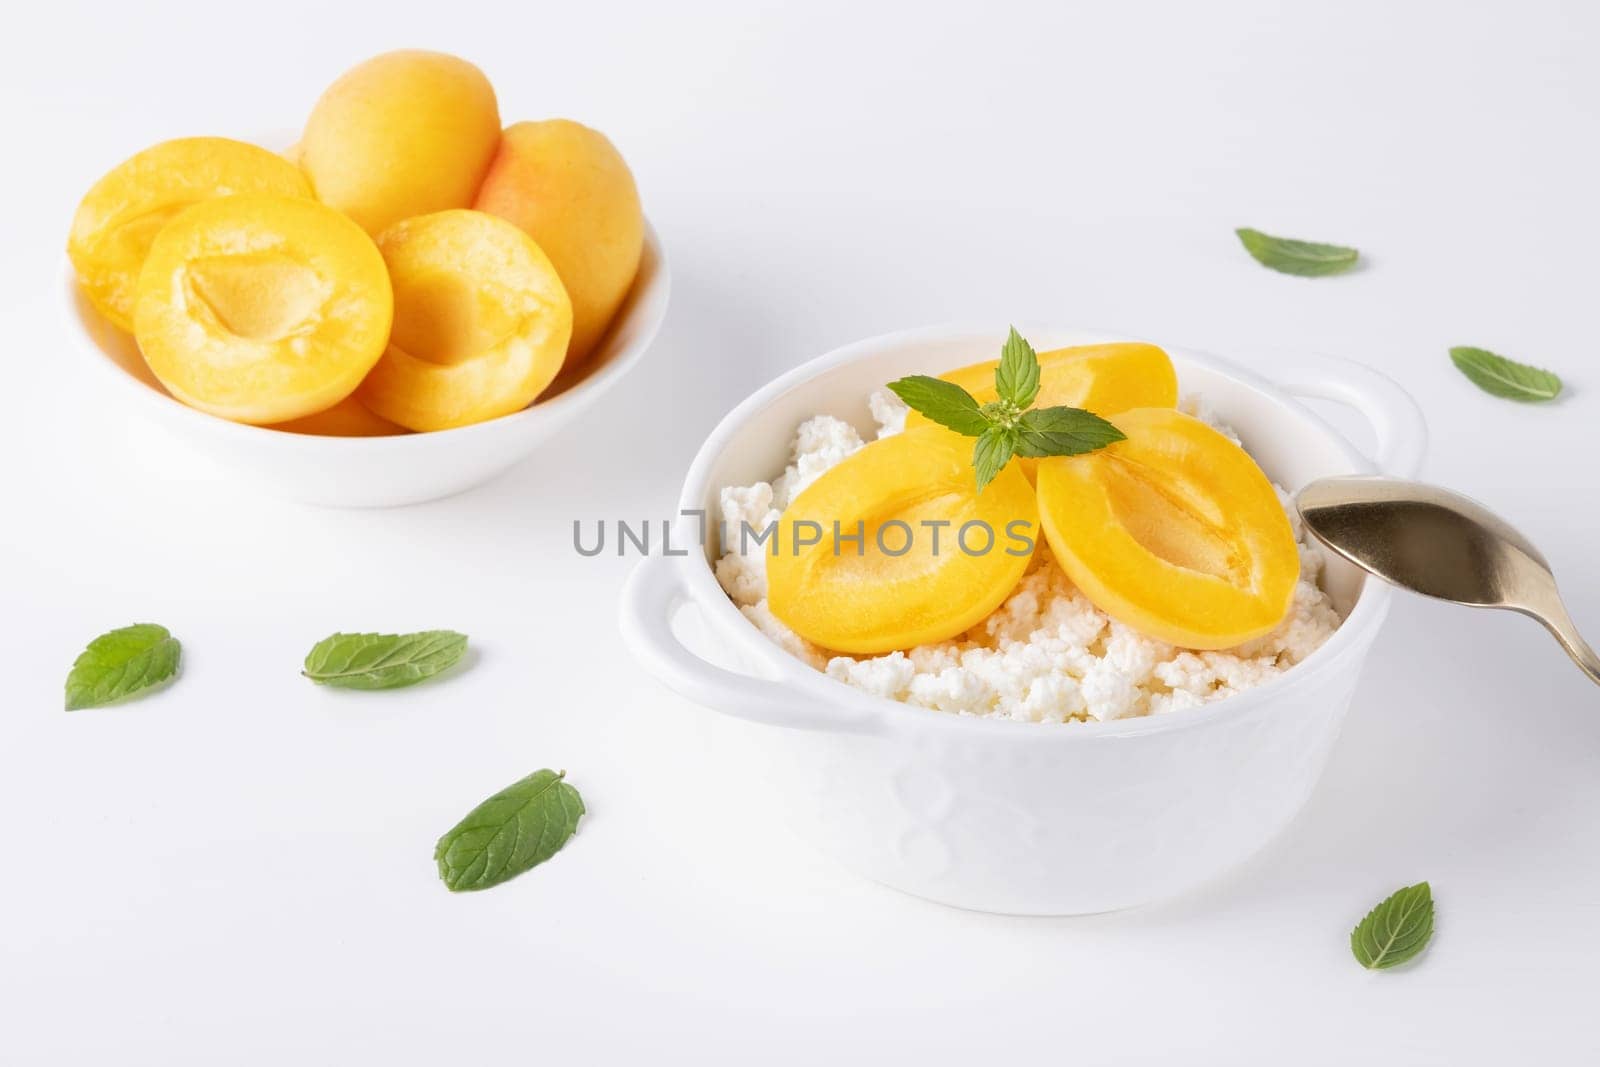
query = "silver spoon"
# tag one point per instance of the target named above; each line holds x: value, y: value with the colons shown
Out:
x: 1440, y: 544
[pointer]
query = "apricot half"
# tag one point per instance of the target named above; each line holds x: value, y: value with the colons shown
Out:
x: 121, y: 214
x: 934, y: 558
x: 481, y: 322
x: 262, y: 309
x: 405, y: 133
x: 569, y: 189
x: 1104, y: 379
x: 1174, y: 531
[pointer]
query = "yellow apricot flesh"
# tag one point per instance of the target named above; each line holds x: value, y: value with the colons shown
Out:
x: 867, y: 599
x: 1174, y: 531
x: 1104, y: 379
x: 481, y: 322
x: 570, y: 190
x: 262, y: 309
x: 405, y: 133
x: 119, y: 217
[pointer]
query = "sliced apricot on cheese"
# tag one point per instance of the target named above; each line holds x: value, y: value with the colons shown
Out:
x: 262, y: 309
x: 1174, y: 531
x: 1104, y: 379
x: 934, y: 558
x: 121, y: 214
x: 481, y: 322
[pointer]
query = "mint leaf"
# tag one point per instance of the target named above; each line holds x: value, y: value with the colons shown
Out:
x: 1063, y: 431
x: 1504, y: 377
x: 991, y: 454
x: 944, y: 402
x: 1304, y: 258
x: 1007, y: 427
x: 1396, y: 930
x: 513, y: 831
x: 382, y: 661
x: 121, y: 663
x: 1016, y: 379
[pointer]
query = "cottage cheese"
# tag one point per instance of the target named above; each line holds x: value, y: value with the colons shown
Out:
x: 1045, y: 655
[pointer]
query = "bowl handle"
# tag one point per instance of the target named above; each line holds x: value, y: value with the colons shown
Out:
x: 651, y: 598
x: 1394, y: 416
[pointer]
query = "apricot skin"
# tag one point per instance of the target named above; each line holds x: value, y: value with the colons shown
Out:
x: 121, y: 214
x: 569, y: 189
x: 262, y: 309
x: 348, y: 418
x: 481, y: 322
x: 403, y: 134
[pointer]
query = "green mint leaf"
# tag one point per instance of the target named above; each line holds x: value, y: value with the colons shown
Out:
x: 1016, y: 379
x: 121, y: 663
x: 383, y: 661
x: 944, y: 402
x: 1504, y: 377
x: 1396, y: 930
x: 1063, y: 431
x: 1304, y: 258
x: 991, y: 454
x: 513, y: 831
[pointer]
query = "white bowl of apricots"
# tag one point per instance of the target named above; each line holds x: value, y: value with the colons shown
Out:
x: 398, y: 307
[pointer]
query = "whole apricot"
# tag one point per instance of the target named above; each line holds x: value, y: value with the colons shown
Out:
x: 569, y: 189
x: 121, y: 214
x: 405, y: 133
x: 261, y: 308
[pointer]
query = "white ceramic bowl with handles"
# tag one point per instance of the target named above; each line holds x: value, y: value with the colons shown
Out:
x: 367, y: 472
x: 1025, y: 818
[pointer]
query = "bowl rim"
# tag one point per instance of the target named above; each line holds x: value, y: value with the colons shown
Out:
x: 657, y: 289
x: 697, y: 575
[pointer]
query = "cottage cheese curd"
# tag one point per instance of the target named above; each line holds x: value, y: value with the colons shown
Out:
x: 1045, y: 655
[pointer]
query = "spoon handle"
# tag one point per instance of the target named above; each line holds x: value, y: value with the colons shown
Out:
x: 1560, y: 624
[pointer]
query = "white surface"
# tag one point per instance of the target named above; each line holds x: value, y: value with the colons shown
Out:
x: 239, y: 870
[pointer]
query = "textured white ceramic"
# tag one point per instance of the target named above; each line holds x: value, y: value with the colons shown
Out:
x: 375, y: 471
x: 1041, y: 819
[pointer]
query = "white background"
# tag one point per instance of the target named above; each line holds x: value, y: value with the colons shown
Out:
x: 238, y: 870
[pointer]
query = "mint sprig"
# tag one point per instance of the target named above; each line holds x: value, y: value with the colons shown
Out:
x: 1008, y: 426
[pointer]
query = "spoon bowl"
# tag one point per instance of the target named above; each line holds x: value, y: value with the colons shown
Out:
x: 1443, y: 545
